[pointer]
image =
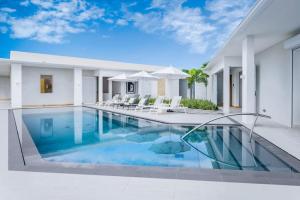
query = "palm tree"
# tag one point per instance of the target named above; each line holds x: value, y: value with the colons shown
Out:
x: 196, y: 76
x: 203, y: 77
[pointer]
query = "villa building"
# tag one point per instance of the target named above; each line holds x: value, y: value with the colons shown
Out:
x: 258, y: 68
x: 71, y: 80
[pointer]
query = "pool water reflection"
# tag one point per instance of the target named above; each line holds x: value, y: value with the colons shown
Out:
x: 85, y: 135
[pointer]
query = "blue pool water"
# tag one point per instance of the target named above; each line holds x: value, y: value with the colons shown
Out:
x: 85, y: 135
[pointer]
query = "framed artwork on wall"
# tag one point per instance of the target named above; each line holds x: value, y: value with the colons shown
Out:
x: 130, y: 88
x: 46, y: 84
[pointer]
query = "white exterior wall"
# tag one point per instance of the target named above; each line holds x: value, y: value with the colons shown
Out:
x: 200, y: 91
x: 89, y: 89
x: 274, y: 83
x: 4, y: 87
x: 296, y: 88
x: 145, y: 87
x: 62, y: 86
x: 172, y: 87
x: 16, y: 86
x: 116, y: 87
x: 154, y: 89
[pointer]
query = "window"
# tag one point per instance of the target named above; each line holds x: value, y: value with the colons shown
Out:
x: 130, y: 87
x: 46, y: 83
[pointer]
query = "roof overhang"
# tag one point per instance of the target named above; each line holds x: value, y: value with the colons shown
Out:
x: 55, y: 61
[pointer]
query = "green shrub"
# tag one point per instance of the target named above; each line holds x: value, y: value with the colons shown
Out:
x: 199, y: 104
x: 167, y: 101
x: 151, y: 101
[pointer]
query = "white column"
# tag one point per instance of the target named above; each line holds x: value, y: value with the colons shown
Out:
x: 249, y: 79
x: 16, y: 85
x: 209, y: 88
x: 167, y: 88
x: 215, y: 89
x: 100, y: 88
x: 236, y: 88
x: 123, y: 88
x: 109, y: 89
x: 172, y: 87
x: 77, y: 87
x: 78, y: 125
x: 226, y: 89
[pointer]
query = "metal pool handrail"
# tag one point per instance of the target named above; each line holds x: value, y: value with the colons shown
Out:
x: 229, y: 115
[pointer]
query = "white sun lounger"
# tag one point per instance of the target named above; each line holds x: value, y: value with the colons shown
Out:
x: 115, y: 99
x: 141, y: 104
x: 174, y: 106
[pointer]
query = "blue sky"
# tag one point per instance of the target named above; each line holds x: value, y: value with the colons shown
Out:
x: 182, y: 33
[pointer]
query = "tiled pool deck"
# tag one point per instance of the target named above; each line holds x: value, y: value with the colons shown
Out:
x: 132, y: 185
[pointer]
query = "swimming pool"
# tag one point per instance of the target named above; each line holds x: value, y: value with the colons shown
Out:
x: 89, y: 136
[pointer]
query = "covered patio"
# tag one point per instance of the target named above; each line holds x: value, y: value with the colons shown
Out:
x: 257, y: 69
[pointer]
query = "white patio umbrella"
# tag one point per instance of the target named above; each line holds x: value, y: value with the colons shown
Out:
x: 145, y: 79
x: 121, y: 78
x: 143, y: 76
x: 171, y: 76
x: 170, y: 73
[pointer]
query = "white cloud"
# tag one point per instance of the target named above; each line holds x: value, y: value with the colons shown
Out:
x: 7, y: 10
x: 189, y: 26
x: 122, y: 22
x: 166, y: 4
x: 43, y: 3
x: 226, y: 16
x: 226, y: 10
x: 3, y: 17
x: 25, y: 3
x: 53, y: 20
x: 200, y: 29
x: 108, y: 20
x: 186, y: 25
